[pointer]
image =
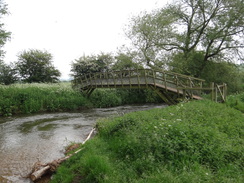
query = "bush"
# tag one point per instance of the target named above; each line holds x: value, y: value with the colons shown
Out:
x: 105, y: 98
x: 236, y: 101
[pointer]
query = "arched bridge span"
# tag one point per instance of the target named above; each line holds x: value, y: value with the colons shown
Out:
x: 169, y: 86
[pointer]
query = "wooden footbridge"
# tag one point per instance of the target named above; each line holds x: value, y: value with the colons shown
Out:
x: 171, y: 87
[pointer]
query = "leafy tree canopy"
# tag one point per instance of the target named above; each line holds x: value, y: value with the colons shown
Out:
x: 36, y: 66
x: 212, y: 28
x: 126, y: 60
x: 8, y: 74
x: 91, y: 64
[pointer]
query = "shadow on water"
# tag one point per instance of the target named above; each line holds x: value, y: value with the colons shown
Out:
x: 27, y: 139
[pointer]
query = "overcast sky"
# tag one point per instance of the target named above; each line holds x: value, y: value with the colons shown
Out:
x: 70, y: 29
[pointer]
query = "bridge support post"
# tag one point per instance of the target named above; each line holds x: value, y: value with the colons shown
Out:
x: 164, y: 96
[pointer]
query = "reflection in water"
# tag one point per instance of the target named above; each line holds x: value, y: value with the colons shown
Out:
x: 25, y: 140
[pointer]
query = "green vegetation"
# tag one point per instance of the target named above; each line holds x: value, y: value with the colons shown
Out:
x: 35, y: 66
x: 199, y: 141
x: 31, y: 98
x: 39, y: 97
x: 198, y: 38
x: 236, y: 101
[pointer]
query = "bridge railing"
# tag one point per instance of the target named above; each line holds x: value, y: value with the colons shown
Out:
x: 139, y: 77
x: 189, y: 87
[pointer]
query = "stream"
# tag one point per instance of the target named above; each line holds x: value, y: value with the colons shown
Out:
x: 26, y: 139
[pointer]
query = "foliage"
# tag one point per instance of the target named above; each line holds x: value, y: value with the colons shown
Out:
x: 185, y: 27
x: 236, y: 101
x: 199, y: 141
x: 105, y: 98
x: 133, y: 96
x: 125, y: 61
x: 224, y: 72
x: 4, y: 35
x: 8, y: 74
x: 36, y: 97
x: 35, y: 66
x: 31, y: 98
x: 91, y: 64
x: 115, y: 97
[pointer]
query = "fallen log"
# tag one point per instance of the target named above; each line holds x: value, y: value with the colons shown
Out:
x: 40, y: 169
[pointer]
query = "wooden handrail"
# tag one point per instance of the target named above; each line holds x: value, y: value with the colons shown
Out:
x: 166, y: 75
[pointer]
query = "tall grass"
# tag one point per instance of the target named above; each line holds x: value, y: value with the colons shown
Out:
x: 191, y: 142
x: 36, y: 97
x: 30, y: 98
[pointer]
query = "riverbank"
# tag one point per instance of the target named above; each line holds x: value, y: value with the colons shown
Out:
x: 199, y: 141
x: 60, y: 97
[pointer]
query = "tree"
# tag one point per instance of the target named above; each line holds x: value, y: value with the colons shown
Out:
x: 91, y: 64
x: 36, y: 66
x: 213, y: 27
x: 125, y: 61
x: 8, y: 74
x: 4, y: 35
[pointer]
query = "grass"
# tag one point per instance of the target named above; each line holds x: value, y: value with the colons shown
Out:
x: 41, y: 97
x: 31, y: 98
x: 199, y: 141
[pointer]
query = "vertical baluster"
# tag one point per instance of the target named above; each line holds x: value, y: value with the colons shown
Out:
x: 138, y: 79
x: 212, y: 91
x: 154, y: 78
x: 130, y: 77
x: 121, y: 78
x: 145, y: 75
x: 165, y: 81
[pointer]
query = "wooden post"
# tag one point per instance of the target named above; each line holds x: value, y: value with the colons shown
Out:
x: 165, y: 82
x: 177, y: 84
x: 216, y: 93
x: 184, y: 94
x: 212, y: 91
x: 200, y: 93
x: 154, y: 77
x: 121, y: 79
x: 130, y: 77
x: 190, y: 85
x: 138, y: 79
x: 225, y: 91
x: 145, y: 75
